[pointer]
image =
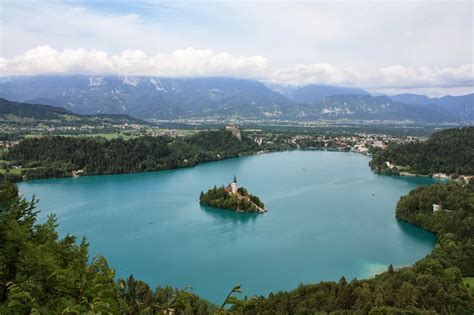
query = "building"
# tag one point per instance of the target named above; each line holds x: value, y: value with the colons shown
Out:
x: 234, y: 185
x: 77, y: 173
x: 465, y: 178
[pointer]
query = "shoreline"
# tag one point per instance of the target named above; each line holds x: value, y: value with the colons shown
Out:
x: 260, y: 152
x: 434, y: 176
x: 368, y: 276
x: 241, y: 155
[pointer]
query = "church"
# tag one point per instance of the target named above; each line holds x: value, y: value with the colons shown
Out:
x: 232, y: 188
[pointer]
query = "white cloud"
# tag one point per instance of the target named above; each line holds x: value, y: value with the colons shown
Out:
x: 362, y: 34
x: 413, y: 77
x: 206, y: 62
x: 373, y: 44
x: 182, y: 62
x: 323, y: 73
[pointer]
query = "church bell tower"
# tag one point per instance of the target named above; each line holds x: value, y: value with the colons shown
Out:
x: 234, y: 185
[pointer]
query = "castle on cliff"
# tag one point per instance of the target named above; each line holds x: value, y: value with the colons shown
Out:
x: 235, y: 130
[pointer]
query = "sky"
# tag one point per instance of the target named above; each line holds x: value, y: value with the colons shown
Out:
x: 385, y: 47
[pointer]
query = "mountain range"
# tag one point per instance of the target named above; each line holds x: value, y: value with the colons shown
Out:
x: 223, y: 97
x: 460, y: 108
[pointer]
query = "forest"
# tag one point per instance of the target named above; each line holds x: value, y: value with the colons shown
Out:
x: 48, y: 157
x: 450, y: 151
x: 218, y: 197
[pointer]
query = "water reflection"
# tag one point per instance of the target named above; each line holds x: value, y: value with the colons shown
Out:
x: 223, y: 215
x: 418, y: 180
x: 416, y: 233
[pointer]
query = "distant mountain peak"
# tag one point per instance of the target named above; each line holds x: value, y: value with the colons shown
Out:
x: 157, y: 84
x: 133, y: 81
x: 312, y: 93
x: 96, y: 81
x: 461, y: 108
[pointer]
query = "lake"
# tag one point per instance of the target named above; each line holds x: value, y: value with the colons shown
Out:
x: 329, y: 216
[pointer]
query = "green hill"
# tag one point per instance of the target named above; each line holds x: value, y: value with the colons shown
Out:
x: 46, y: 157
x: 15, y: 113
x: 449, y: 151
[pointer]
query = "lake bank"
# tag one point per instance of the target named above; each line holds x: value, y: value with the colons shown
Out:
x: 344, y: 214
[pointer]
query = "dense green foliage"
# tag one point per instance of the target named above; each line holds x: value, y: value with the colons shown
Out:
x: 448, y: 151
x: 454, y: 223
x: 218, y: 197
x: 432, y: 286
x: 57, y: 156
x: 9, y: 177
x: 41, y: 273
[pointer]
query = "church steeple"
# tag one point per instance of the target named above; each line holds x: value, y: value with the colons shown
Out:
x: 234, y: 185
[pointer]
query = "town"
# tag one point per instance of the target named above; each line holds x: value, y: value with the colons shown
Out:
x: 364, y: 143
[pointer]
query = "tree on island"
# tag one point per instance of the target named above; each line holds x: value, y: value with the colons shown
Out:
x: 231, y: 198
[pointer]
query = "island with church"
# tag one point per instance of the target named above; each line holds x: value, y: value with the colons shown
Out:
x: 233, y: 198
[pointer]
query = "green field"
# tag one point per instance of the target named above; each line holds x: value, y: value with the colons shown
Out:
x: 14, y: 171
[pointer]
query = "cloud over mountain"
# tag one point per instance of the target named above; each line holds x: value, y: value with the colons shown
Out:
x: 206, y: 62
x: 383, y: 46
x: 183, y: 62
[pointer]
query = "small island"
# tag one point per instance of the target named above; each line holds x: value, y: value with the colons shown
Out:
x: 233, y: 198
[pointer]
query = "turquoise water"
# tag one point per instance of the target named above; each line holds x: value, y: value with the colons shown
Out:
x: 329, y: 216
